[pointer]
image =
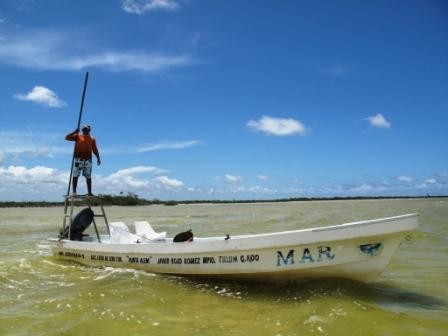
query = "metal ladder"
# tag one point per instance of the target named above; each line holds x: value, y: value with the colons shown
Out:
x: 69, y: 205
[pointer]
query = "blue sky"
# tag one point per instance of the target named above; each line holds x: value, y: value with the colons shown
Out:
x: 195, y: 99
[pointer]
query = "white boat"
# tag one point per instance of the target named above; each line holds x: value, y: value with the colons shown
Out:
x: 359, y: 251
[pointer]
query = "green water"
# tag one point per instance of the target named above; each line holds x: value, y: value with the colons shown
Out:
x: 43, y: 296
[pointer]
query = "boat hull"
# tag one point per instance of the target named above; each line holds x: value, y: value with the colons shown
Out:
x: 358, y: 251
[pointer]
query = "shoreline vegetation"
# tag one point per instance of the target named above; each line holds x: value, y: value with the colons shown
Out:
x: 133, y: 200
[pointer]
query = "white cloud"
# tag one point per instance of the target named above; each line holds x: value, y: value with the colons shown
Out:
x: 134, y: 183
x: 127, y: 180
x: 168, y: 145
x: 405, y: 178
x: 379, y: 121
x: 122, y: 173
x: 363, y: 188
x: 431, y: 181
x: 33, y: 143
x: 21, y: 182
x: 169, y: 182
x: 233, y: 178
x: 263, y: 177
x: 277, y: 126
x: 45, y: 143
x: 37, y: 172
x: 262, y: 190
x: 142, y: 6
x: 42, y: 95
x: 126, y: 61
x: 39, y: 182
x: 49, y: 50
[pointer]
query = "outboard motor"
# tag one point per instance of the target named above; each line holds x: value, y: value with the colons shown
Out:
x: 186, y: 236
x: 79, y: 224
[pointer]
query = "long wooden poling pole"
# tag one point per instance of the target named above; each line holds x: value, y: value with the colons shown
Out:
x: 79, y: 125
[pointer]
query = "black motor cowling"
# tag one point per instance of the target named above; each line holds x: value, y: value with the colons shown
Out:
x: 186, y: 236
x: 79, y: 224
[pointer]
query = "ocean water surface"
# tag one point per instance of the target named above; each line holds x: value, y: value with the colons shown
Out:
x: 40, y: 295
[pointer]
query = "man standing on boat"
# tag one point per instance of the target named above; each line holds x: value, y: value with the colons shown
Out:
x: 85, y: 145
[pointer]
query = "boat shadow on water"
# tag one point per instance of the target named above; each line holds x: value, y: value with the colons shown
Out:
x: 375, y: 293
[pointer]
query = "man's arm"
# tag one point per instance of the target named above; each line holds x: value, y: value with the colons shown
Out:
x: 72, y: 136
x: 95, y: 151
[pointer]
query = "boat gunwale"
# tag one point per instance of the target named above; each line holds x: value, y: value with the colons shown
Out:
x: 335, y: 227
x: 250, y: 242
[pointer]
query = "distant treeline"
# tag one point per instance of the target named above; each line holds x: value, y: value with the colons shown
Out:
x: 132, y: 199
x: 29, y: 204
